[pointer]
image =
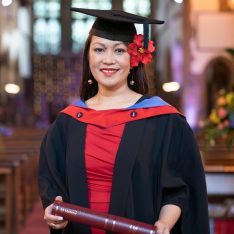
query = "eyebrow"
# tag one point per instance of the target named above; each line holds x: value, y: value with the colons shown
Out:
x: 104, y: 45
x: 99, y: 43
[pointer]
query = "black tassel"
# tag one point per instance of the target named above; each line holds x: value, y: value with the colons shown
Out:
x: 146, y: 34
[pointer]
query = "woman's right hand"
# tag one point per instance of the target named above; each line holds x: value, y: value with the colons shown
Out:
x: 53, y: 221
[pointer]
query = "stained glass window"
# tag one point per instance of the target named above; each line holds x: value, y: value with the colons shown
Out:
x: 139, y: 7
x: 46, y: 8
x: 47, y: 27
x: 81, y: 23
x: 39, y: 29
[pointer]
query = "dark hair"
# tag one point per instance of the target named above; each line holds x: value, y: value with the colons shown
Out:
x: 87, y: 91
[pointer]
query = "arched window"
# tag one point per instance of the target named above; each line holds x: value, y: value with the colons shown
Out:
x: 47, y: 26
x: 140, y: 7
x: 218, y: 76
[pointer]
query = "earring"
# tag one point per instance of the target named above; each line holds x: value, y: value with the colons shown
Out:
x: 132, y: 82
x: 90, y: 81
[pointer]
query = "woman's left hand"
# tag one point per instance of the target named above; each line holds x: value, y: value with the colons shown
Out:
x: 162, y: 227
x: 169, y: 215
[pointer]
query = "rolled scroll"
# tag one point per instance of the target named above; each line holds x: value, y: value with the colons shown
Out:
x: 100, y: 220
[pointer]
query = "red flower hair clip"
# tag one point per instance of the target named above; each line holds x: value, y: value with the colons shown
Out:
x: 138, y: 53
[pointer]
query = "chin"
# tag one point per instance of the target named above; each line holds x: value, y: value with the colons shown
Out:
x: 111, y: 85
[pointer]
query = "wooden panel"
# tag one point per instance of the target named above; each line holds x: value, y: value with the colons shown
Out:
x: 6, y: 189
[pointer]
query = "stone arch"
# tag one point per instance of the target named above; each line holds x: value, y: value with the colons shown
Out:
x: 218, y: 74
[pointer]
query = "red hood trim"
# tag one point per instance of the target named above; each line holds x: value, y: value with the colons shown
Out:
x: 108, y: 118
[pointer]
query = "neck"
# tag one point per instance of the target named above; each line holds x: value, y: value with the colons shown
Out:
x: 112, y: 100
x: 110, y: 95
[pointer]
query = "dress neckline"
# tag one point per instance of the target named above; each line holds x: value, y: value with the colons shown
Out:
x: 143, y: 97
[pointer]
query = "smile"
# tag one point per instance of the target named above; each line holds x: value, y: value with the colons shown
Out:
x: 109, y: 71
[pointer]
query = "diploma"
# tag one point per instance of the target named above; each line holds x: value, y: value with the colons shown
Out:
x: 100, y: 220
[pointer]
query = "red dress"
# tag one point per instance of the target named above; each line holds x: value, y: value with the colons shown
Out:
x: 100, y: 151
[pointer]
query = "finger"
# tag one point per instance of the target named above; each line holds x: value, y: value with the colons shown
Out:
x: 49, y: 222
x: 163, y: 231
x: 160, y: 232
x: 58, y: 225
x: 52, y: 225
x: 159, y: 229
x: 166, y: 231
x: 60, y: 221
x: 49, y: 216
x: 53, y: 218
x: 59, y: 198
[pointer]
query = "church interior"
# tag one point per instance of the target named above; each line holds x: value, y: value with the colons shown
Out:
x: 41, y: 44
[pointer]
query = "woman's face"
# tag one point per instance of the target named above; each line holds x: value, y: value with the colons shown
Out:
x: 109, y: 62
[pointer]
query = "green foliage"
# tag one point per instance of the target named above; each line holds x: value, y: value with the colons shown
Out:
x: 220, y: 124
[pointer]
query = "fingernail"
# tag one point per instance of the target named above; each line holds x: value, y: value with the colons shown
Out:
x: 59, y: 218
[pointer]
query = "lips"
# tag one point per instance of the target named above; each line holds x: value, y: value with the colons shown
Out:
x: 109, y: 71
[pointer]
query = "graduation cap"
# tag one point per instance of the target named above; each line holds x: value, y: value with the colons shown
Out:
x: 117, y: 25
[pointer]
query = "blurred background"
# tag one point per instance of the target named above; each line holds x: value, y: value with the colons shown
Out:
x: 41, y: 45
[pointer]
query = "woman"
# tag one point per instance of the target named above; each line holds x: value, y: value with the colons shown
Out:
x: 118, y: 150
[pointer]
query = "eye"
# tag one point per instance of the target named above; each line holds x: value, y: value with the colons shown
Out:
x: 120, y: 50
x: 98, y: 50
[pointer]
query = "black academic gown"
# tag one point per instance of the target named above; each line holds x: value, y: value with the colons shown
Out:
x: 157, y: 163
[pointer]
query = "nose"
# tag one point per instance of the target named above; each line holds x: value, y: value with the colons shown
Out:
x: 108, y: 57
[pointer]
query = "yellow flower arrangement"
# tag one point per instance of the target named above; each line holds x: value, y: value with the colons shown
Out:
x: 220, y: 124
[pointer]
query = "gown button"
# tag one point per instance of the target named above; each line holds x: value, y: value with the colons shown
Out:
x: 133, y: 114
x: 79, y: 114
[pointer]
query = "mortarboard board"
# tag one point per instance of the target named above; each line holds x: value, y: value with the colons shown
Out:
x: 117, y: 25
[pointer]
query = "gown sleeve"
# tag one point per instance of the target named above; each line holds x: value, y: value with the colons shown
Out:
x: 183, y: 179
x: 51, y: 170
x: 51, y: 173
